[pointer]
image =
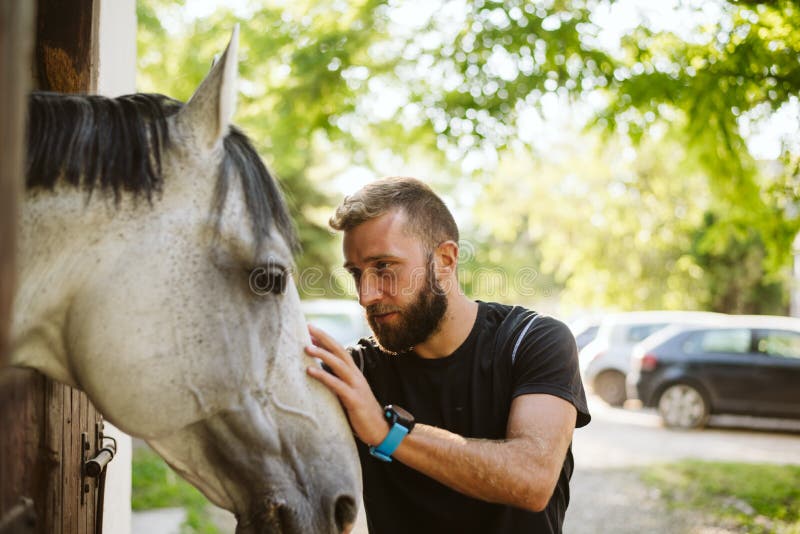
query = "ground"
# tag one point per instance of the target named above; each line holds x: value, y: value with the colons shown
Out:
x: 607, y: 494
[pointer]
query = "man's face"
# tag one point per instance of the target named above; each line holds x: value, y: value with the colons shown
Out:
x: 396, y: 282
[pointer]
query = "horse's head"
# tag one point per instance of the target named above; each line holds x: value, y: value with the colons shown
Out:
x: 177, y: 315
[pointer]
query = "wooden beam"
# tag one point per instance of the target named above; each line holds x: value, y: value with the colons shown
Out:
x: 19, y: 409
x: 24, y: 465
x: 41, y: 420
x: 66, y: 45
x: 16, y: 45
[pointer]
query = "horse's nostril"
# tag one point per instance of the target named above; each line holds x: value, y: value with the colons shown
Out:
x: 344, y: 512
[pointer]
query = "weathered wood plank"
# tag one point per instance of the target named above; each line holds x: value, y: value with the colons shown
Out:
x: 24, y: 467
x: 62, y: 509
x: 75, y: 465
x: 51, y: 446
x: 71, y: 445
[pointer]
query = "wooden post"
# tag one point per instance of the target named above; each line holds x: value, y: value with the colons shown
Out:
x: 19, y: 409
x: 66, y: 46
x: 41, y: 421
x: 16, y: 43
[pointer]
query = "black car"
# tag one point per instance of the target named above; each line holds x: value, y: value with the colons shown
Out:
x: 747, y: 365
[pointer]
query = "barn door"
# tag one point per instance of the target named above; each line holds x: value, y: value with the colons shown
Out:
x: 47, y: 428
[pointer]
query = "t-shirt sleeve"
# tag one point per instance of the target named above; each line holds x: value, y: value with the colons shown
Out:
x: 546, y: 361
x: 357, y: 353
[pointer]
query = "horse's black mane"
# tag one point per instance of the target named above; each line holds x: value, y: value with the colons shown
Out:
x: 115, y: 144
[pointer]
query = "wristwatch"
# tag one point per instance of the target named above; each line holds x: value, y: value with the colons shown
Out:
x: 400, y: 424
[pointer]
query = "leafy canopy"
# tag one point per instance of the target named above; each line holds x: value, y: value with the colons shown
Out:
x: 691, y: 218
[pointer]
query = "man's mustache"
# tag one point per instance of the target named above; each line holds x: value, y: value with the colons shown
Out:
x: 381, y: 309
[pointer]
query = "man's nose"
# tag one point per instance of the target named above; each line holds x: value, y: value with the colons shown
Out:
x: 370, y: 289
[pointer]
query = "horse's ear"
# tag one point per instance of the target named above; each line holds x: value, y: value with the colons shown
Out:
x: 208, y: 113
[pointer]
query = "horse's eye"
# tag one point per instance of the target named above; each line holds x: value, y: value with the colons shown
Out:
x: 267, y: 280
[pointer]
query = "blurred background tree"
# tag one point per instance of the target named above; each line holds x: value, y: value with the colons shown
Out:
x: 600, y: 151
x: 301, y: 67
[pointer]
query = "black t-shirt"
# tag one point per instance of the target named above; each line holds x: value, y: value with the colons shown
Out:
x: 469, y: 393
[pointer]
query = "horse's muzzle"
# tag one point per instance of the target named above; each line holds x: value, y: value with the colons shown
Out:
x: 277, y: 517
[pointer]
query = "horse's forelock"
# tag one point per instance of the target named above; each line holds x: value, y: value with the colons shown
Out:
x: 116, y: 145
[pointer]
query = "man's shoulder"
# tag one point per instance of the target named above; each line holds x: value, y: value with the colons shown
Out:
x: 506, y: 318
x: 514, y: 324
x: 366, y: 352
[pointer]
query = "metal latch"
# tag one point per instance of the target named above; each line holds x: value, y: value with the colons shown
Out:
x: 95, y: 466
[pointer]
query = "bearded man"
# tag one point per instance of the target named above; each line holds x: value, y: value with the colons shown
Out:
x: 476, y: 401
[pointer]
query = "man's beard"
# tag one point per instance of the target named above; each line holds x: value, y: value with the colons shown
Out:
x: 417, y: 321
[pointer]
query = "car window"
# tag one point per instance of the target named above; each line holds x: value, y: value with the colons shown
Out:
x: 778, y: 343
x: 637, y: 333
x: 586, y: 336
x: 727, y: 340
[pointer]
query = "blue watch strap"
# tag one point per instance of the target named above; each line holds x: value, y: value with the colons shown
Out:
x: 386, y: 448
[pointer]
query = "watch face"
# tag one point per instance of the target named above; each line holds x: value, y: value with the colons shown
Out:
x: 396, y: 414
x: 402, y: 414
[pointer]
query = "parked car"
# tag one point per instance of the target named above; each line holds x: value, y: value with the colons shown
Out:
x: 605, y: 361
x: 585, y: 330
x: 343, y: 319
x: 746, y: 365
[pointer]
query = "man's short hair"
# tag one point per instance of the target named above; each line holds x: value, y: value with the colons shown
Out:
x: 428, y: 217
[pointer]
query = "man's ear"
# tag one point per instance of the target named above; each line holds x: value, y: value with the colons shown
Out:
x: 447, y: 256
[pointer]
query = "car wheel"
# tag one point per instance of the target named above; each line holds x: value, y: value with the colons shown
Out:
x: 682, y: 406
x: 610, y: 386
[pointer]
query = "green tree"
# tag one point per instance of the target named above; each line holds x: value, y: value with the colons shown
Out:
x: 744, y: 65
x: 612, y: 228
x: 327, y: 85
x: 734, y: 280
x: 700, y: 85
x: 612, y: 231
x: 302, y: 66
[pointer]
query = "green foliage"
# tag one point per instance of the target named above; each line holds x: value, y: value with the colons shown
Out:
x: 697, y: 89
x: 611, y: 232
x: 155, y: 485
x: 744, y: 65
x: 300, y: 70
x: 757, y: 497
x: 734, y: 280
x: 686, y: 219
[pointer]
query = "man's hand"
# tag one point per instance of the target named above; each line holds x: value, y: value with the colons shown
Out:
x: 347, y: 382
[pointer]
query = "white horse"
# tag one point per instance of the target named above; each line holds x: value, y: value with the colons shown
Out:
x: 155, y: 253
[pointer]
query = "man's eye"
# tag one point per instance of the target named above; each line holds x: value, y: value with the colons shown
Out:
x: 269, y: 280
x: 382, y: 266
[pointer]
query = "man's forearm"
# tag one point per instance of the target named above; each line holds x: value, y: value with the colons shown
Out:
x: 517, y: 471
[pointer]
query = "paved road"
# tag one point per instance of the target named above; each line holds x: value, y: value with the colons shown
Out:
x: 622, y: 437
x: 607, y: 495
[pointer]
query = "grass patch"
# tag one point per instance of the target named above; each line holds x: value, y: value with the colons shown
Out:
x: 758, y: 497
x: 155, y: 485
